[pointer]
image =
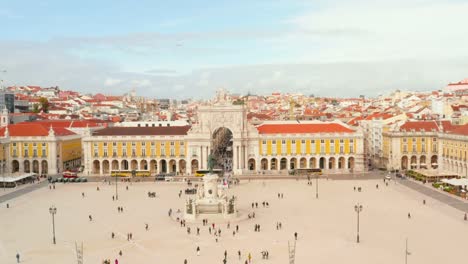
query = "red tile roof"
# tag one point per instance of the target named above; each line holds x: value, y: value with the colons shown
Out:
x: 426, y: 126
x: 70, y: 123
x: 303, y: 128
x: 33, y: 130
x: 460, y: 130
x: 143, y: 131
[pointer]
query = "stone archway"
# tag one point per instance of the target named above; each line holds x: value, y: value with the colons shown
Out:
x: 293, y: 164
x: 134, y: 165
x: 44, y: 167
x: 105, y: 167
x: 163, y: 165
x: 322, y: 163
x: 422, y: 162
x: 96, y: 167
x: 264, y: 164
x: 341, y: 163
x: 273, y: 164
x: 404, y: 163
x: 222, y: 139
x: 313, y: 163
x: 153, y: 166
x: 172, y: 166
x: 182, y: 166
x: 115, y: 165
x: 414, y: 162
x: 144, y: 165
x: 251, y: 164
x: 283, y: 164
x: 14, y: 166
x: 331, y: 163
x: 35, y: 166
x: 27, y: 166
x: 194, y: 166
x: 434, y: 163
x: 351, y: 163
x: 303, y: 163
x: 124, y: 165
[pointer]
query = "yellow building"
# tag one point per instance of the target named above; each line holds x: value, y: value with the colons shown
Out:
x: 413, y: 145
x: 150, y: 150
x: 454, y: 146
x: 32, y: 147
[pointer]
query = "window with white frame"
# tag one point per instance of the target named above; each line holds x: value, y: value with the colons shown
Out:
x: 264, y: 147
x: 332, y: 146
x: 163, y: 149
x: 182, y: 148
x: 322, y: 146
x: 26, y: 149
x: 283, y: 146
x: 341, y: 146
x: 273, y: 147
x: 303, y: 146
x: 43, y: 149
x: 293, y: 146
x: 313, y: 147
x: 95, y: 149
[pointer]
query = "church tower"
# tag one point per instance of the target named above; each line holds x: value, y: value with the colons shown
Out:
x: 4, y: 119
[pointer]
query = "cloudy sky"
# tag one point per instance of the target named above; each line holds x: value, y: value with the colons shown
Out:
x: 183, y: 49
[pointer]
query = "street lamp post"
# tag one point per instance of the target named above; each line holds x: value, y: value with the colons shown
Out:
x: 53, y: 211
x: 116, y: 193
x: 358, y: 209
x: 316, y: 186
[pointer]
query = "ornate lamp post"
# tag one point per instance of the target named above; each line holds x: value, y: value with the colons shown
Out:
x: 316, y: 186
x: 53, y: 211
x: 358, y: 209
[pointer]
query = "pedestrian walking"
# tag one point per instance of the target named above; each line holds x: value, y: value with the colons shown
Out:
x: 17, y: 258
x: 90, y: 218
x: 295, y: 235
x: 237, y: 228
x: 239, y: 254
x: 466, y: 217
x: 185, y: 261
x: 250, y: 257
x: 198, y: 251
x: 146, y: 227
x: 82, y: 195
x: 112, y: 235
x: 424, y: 201
x: 409, y: 216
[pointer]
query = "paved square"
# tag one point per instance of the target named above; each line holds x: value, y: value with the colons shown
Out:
x: 326, y: 226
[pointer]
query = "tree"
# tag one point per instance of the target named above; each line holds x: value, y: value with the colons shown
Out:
x: 44, y: 104
x: 35, y: 108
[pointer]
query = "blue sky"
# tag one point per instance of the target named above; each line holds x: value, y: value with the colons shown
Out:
x: 196, y: 47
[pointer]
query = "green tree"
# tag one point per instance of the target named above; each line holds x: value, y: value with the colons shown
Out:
x: 44, y: 104
x: 35, y: 108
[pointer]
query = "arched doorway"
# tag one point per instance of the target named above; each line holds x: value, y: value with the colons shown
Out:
x: 251, y: 164
x: 105, y: 167
x: 163, y: 165
x: 134, y: 165
x: 404, y: 163
x: 96, y: 167
x: 341, y: 163
x: 153, y: 166
x: 35, y: 166
x: 414, y: 162
x: 44, y: 167
x: 322, y: 163
x: 115, y: 165
x: 143, y: 165
x: 422, y: 162
x: 14, y: 166
x: 222, y: 148
x: 283, y: 164
x: 351, y: 163
x: 27, y: 166
x: 313, y: 163
x: 194, y: 165
x: 182, y: 166
x: 434, y: 163
x: 303, y: 163
x: 274, y: 164
x: 331, y: 163
x: 264, y: 164
x: 293, y: 163
x: 124, y: 165
x: 172, y: 166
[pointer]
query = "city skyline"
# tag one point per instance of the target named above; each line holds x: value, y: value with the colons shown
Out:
x: 326, y: 48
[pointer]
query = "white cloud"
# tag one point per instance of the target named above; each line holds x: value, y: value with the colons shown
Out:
x: 112, y: 82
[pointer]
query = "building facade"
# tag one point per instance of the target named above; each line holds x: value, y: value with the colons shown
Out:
x: 454, y: 146
x: 269, y: 147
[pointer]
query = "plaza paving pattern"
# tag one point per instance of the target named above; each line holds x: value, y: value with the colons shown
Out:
x: 326, y: 226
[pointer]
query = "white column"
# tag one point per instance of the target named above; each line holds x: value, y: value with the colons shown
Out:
x: 100, y: 168
x: 52, y: 160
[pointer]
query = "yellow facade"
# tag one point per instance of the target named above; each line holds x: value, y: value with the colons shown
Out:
x: 29, y: 149
x: 274, y: 147
x: 156, y: 149
x: 71, y: 149
x: 454, y: 149
x: 417, y: 144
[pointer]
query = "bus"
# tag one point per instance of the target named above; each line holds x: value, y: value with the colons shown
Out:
x: 306, y: 172
x: 201, y: 173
